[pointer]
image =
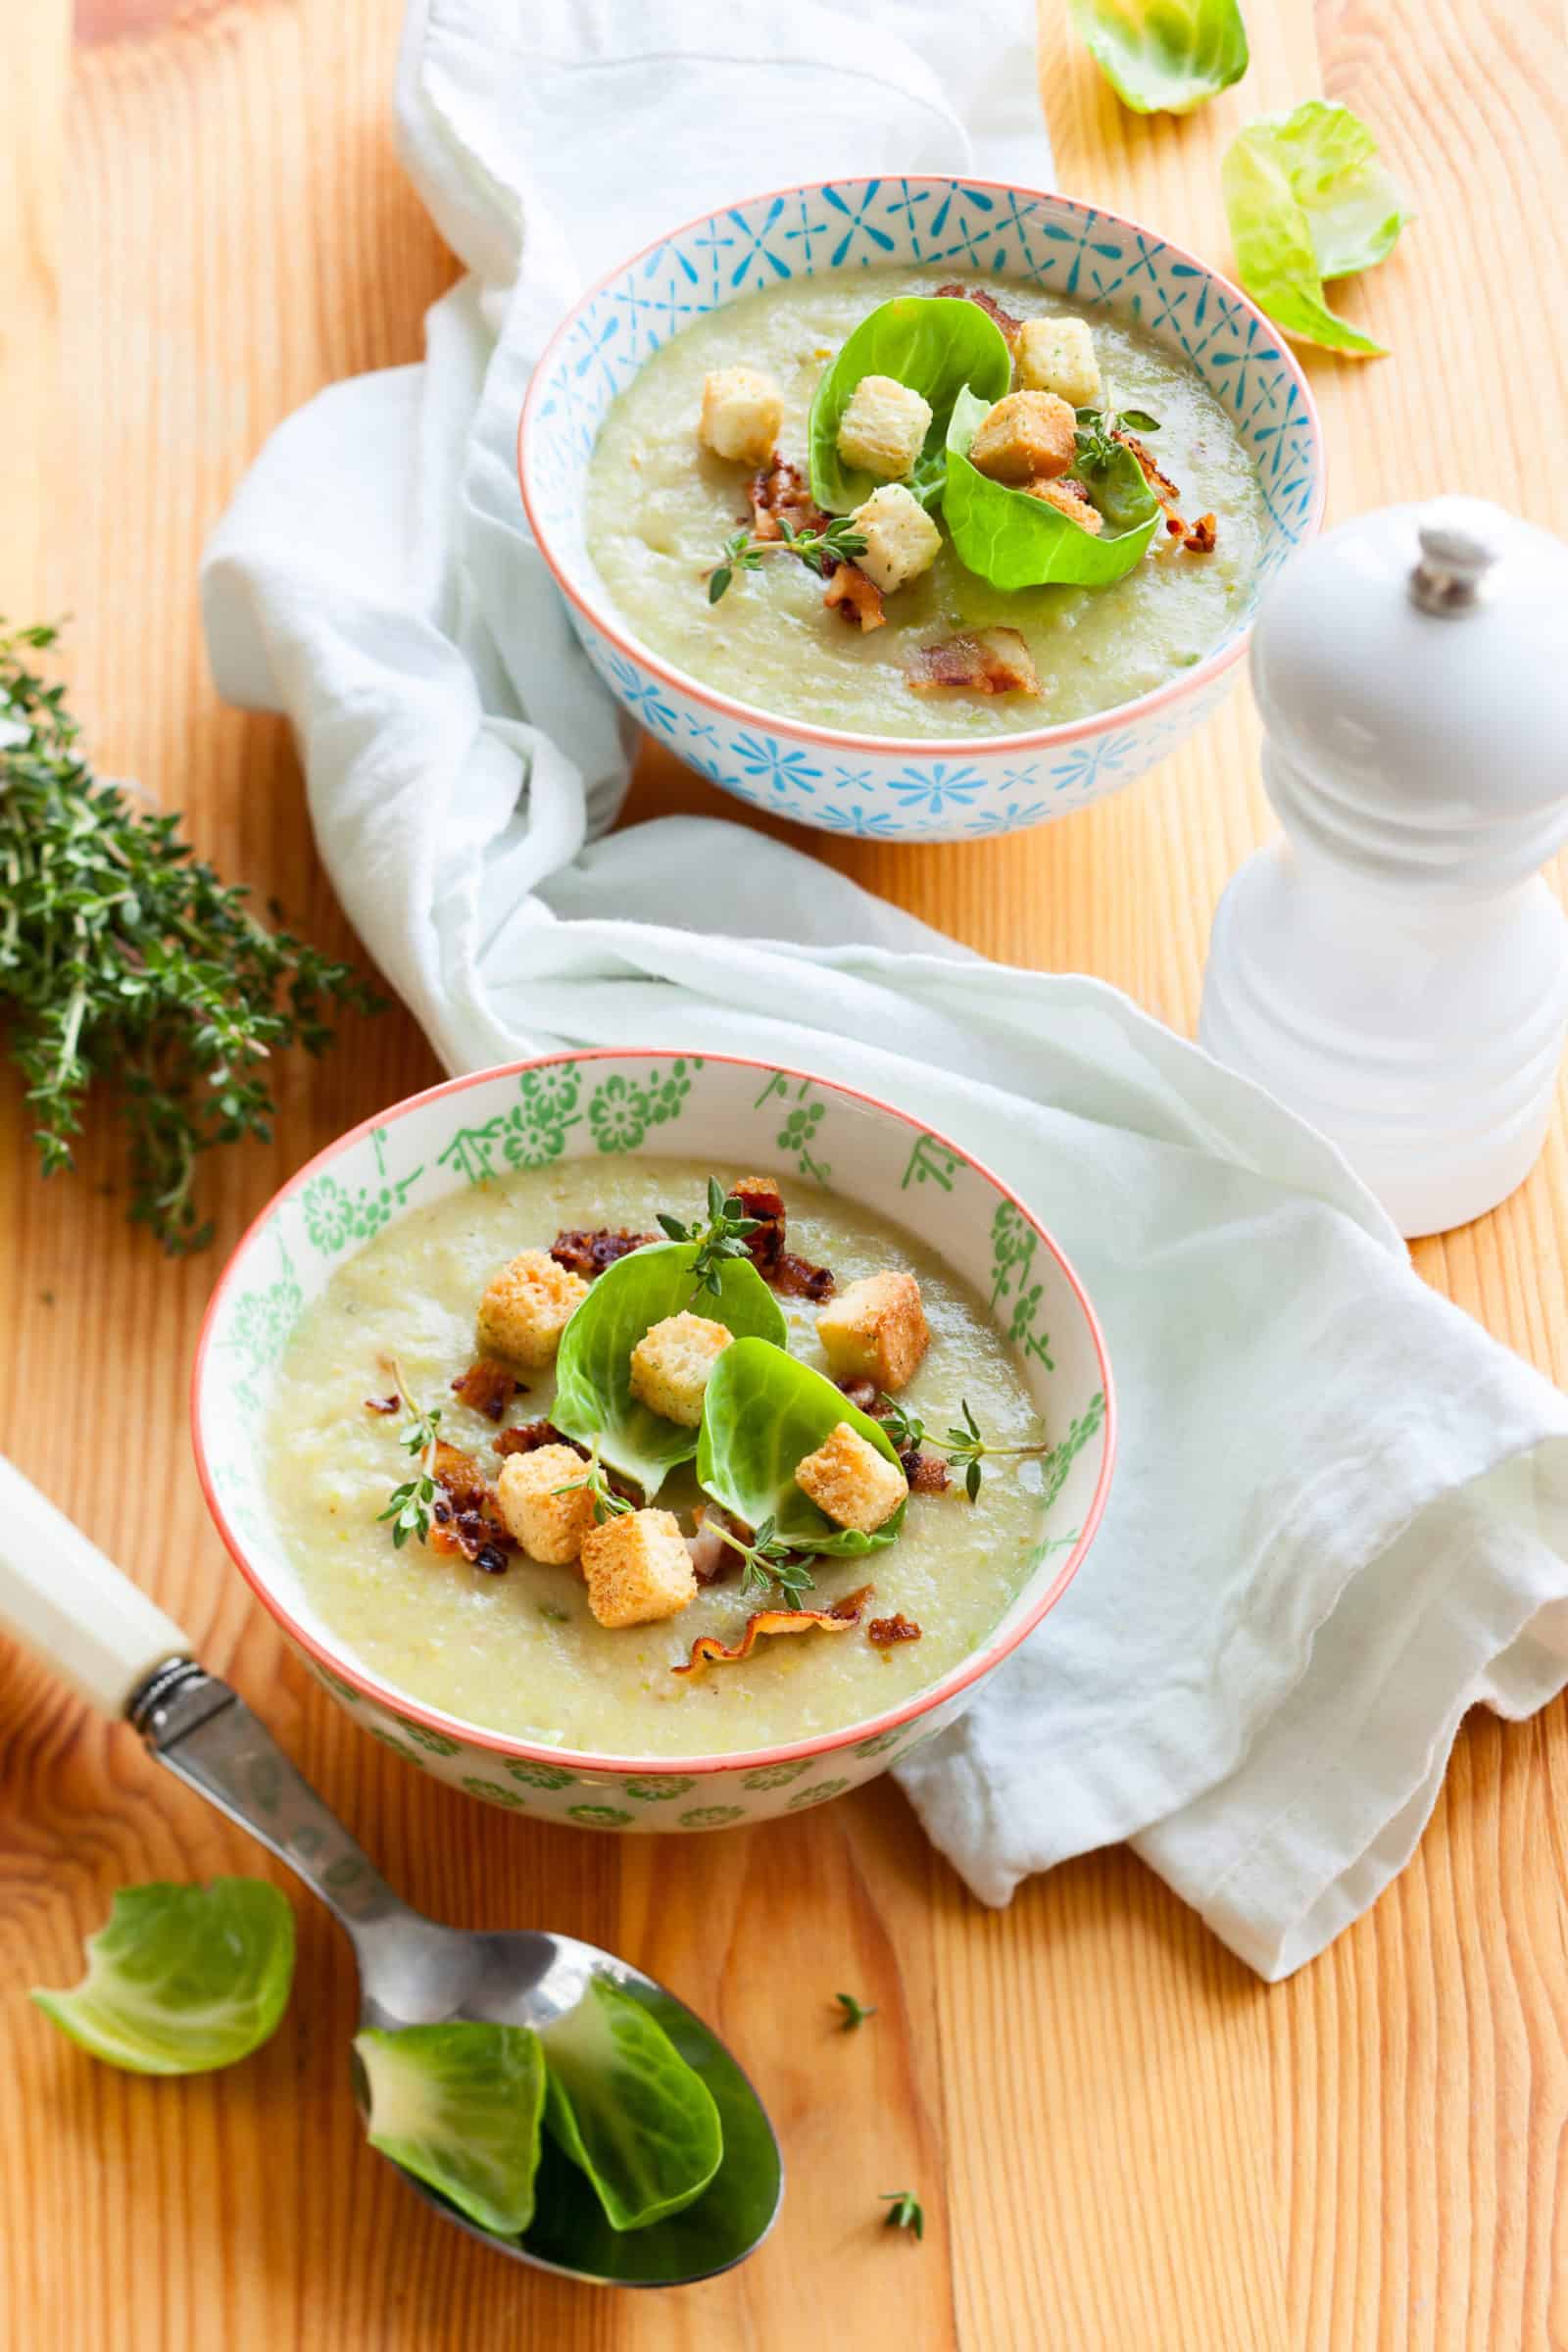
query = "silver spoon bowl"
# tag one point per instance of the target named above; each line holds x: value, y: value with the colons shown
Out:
x: 415, y: 1971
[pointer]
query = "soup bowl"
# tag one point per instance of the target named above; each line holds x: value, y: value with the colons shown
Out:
x: 894, y: 787
x: 580, y: 1107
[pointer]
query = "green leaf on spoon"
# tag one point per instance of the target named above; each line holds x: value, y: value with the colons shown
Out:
x: 593, y: 1369
x: 628, y: 2109
x: 181, y: 1980
x: 460, y: 2106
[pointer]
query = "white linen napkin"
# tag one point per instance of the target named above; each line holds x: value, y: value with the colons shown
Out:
x: 1340, y: 1512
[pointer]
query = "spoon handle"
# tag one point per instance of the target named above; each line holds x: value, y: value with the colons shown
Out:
x: 72, y: 1608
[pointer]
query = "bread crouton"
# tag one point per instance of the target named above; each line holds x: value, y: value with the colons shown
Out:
x: 875, y: 1329
x: 1069, y: 498
x: 637, y: 1569
x: 1024, y: 436
x: 527, y: 1308
x: 671, y: 1365
x: 546, y: 1522
x: 883, y: 426
x: 848, y: 1479
x: 1057, y: 355
x: 742, y: 409
x: 901, y: 538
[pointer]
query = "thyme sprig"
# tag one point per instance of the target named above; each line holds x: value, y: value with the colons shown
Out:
x: 769, y: 1561
x: 905, y: 2211
x: 412, y: 1504
x: 595, y: 1481
x: 839, y: 543
x: 723, y: 1235
x: 1095, y: 441
x: 965, y: 1446
x: 124, y: 962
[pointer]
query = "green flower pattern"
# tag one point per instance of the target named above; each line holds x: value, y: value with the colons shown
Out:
x: 710, y: 1817
x: 599, y: 1817
x: 1013, y: 1243
x: 622, y: 1111
x: 541, y: 1776
x: 817, y: 1795
x: 651, y: 1791
x: 801, y: 1120
x: 880, y: 1744
x: 774, y: 1776
x: 494, y: 1790
x: 438, y: 1743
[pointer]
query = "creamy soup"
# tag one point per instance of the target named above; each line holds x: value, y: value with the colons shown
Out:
x: 660, y: 509
x: 519, y: 1653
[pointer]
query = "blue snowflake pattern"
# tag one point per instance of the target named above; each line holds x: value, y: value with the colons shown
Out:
x: 641, y: 695
x: 937, y: 789
x: 857, y: 216
x: 1011, y: 819
x: 753, y: 239
x: 785, y: 770
x: 1087, y: 763
x: 865, y: 824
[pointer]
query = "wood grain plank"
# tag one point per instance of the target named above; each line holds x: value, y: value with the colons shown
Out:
x: 1120, y: 2138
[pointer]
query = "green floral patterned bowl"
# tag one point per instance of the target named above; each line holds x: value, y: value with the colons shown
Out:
x: 737, y: 1115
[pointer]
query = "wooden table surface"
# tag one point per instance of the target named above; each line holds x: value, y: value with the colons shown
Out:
x: 1124, y: 2141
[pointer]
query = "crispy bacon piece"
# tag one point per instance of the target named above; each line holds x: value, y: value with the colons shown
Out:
x: 1009, y: 326
x: 1069, y: 496
x: 863, y: 1394
x: 853, y: 596
x: 709, y: 1651
x: 797, y: 1279
x: 526, y: 1436
x: 1163, y: 486
x: 383, y: 1404
x: 714, y: 1560
x: 992, y: 662
x: 761, y: 1198
x: 1204, y: 536
x: 589, y: 1254
x: 465, y: 1516
x: 487, y: 1388
x: 778, y: 488
x: 927, y: 1473
x: 884, y: 1632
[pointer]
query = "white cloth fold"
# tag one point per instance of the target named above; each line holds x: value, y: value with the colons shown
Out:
x: 1340, y: 1512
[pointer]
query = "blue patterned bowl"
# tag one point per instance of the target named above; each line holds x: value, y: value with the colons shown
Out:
x: 733, y: 1113
x: 886, y: 786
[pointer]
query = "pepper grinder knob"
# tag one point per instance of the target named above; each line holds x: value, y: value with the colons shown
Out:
x: 1457, y: 551
x: 1395, y: 967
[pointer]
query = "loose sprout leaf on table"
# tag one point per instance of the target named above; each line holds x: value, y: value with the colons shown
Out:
x: 1164, y: 56
x: 623, y: 2104
x: 1307, y: 199
x: 181, y: 1980
x: 593, y: 1369
x: 461, y: 2106
x: 936, y: 345
x: 763, y: 1413
x: 1016, y: 541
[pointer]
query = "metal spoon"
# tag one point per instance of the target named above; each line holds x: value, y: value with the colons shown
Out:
x: 69, y: 1604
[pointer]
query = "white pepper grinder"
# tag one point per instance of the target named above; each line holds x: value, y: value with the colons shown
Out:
x: 1394, y: 968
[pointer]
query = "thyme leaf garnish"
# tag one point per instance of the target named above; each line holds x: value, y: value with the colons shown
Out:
x: 965, y: 1446
x: 723, y: 1235
x: 839, y: 543
x: 412, y: 1504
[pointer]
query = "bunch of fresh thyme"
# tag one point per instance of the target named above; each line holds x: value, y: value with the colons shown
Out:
x: 723, y: 1235
x: 124, y: 960
x: 1095, y: 441
x: 839, y: 543
x: 963, y: 1447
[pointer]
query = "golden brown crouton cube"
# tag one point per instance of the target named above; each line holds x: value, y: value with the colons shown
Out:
x: 548, y: 1524
x: 1068, y: 499
x: 671, y: 1365
x: 638, y: 1568
x: 875, y: 1329
x: 883, y: 426
x: 527, y: 1307
x: 1057, y: 355
x: 901, y: 538
x: 1025, y: 435
x: 848, y: 1479
x: 742, y: 409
